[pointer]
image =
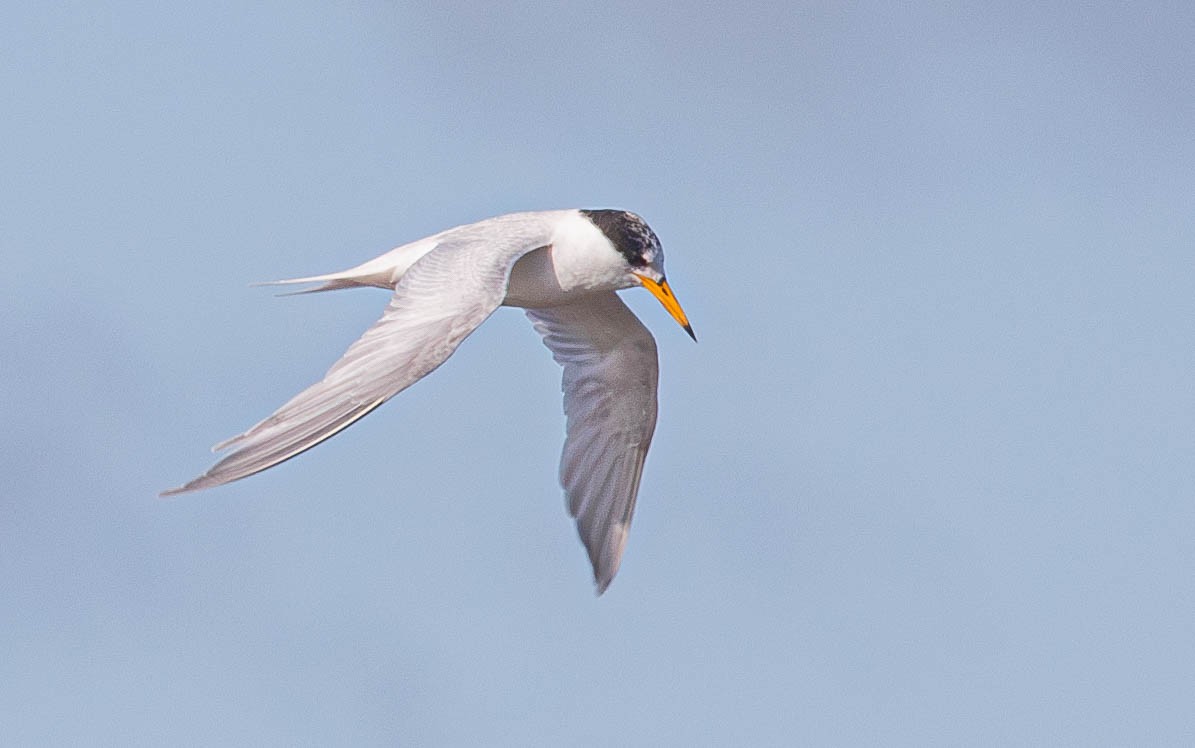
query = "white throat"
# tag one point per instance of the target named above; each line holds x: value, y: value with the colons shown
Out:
x: 579, y: 259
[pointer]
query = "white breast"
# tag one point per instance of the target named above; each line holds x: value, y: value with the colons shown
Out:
x: 579, y: 261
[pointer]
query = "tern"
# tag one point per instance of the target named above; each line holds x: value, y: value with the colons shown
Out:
x: 563, y: 267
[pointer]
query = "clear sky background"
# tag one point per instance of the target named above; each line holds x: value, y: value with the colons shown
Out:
x: 928, y: 477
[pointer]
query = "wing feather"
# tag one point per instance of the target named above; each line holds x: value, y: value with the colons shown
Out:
x: 611, y: 372
x: 436, y: 304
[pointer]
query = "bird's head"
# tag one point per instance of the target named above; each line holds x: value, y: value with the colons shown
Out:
x: 640, y: 248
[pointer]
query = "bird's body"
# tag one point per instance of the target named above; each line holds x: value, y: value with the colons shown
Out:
x: 563, y: 267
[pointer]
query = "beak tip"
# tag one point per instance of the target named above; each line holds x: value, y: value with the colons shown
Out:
x: 663, y: 293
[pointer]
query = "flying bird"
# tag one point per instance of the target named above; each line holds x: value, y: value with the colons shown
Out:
x: 563, y: 267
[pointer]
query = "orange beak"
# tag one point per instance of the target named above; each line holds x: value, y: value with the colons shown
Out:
x: 662, y: 292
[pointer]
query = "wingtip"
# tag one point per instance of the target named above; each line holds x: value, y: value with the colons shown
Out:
x: 198, y: 484
x: 602, y: 579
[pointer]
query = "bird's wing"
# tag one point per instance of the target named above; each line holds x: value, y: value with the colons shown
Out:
x: 444, y: 296
x: 610, y: 376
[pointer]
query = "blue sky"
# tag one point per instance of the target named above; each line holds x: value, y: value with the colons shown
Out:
x: 926, y: 479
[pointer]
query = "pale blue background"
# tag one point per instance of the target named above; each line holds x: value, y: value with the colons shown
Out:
x: 926, y: 479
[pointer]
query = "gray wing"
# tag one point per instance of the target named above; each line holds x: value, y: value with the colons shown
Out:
x: 610, y: 376
x: 440, y: 300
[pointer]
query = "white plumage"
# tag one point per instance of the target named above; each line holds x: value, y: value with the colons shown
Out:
x: 563, y: 266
